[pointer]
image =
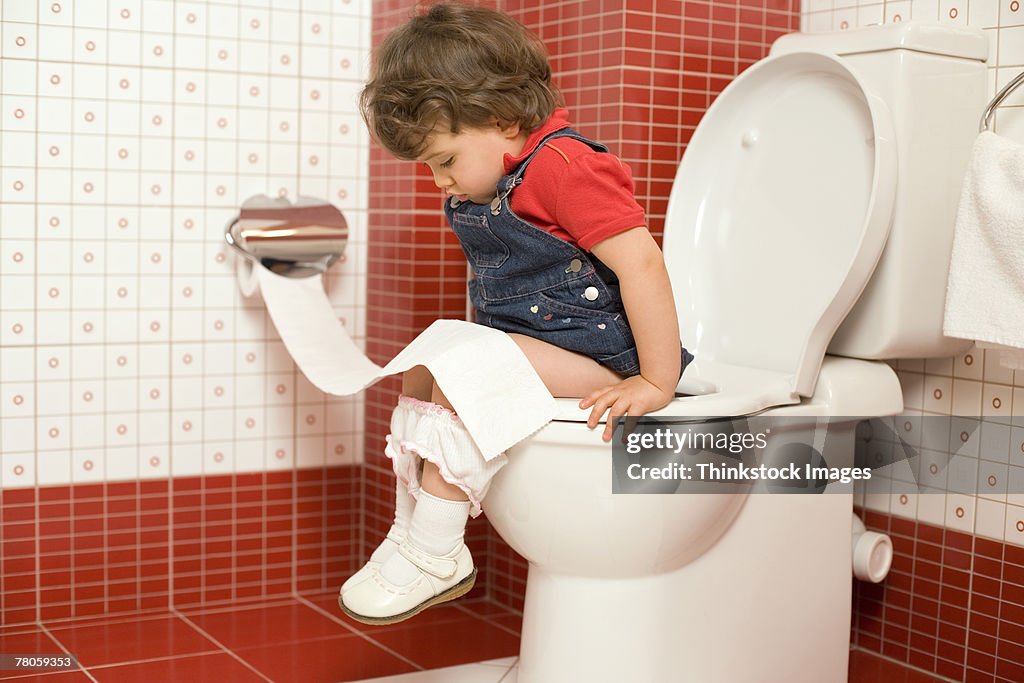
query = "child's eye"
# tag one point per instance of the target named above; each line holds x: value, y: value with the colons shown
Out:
x: 447, y: 164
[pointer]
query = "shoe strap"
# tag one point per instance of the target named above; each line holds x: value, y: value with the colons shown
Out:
x: 441, y: 567
x: 395, y: 535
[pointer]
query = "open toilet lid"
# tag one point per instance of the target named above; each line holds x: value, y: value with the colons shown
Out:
x: 779, y: 212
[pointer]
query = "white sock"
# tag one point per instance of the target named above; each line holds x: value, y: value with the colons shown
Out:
x: 404, y: 505
x: 437, y: 527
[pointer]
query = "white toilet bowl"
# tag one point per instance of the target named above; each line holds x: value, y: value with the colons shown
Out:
x: 653, y: 588
x: 779, y: 214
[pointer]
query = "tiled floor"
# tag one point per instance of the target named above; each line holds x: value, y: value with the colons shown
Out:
x: 308, y: 640
x: 305, y: 639
x: 864, y: 668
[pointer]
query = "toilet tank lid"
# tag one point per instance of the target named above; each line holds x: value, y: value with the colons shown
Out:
x: 949, y: 41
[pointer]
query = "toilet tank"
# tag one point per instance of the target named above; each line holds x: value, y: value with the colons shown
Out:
x: 934, y: 81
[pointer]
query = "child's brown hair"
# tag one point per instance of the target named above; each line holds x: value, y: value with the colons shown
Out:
x: 456, y: 66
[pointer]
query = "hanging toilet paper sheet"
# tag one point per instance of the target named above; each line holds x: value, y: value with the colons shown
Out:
x: 487, y: 378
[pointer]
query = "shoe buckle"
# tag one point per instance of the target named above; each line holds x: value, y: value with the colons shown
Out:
x: 441, y: 567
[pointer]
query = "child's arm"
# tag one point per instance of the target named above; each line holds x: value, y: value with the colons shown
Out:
x: 647, y: 297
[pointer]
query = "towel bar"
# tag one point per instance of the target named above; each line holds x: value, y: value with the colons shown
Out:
x: 997, y: 100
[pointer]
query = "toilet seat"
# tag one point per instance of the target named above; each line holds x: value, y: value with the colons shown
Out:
x: 778, y: 215
x: 714, y: 389
x: 758, y: 314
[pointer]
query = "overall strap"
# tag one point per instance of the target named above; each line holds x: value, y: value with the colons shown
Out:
x: 509, y: 182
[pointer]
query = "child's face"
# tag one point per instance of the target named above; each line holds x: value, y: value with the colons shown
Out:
x: 469, y: 164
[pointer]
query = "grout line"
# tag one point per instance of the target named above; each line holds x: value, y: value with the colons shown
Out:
x: 357, y: 632
x: 487, y: 619
x: 219, y: 644
x: 168, y: 658
x: 508, y: 672
x: 52, y: 637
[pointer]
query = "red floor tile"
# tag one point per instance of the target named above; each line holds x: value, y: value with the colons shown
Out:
x: 222, y: 668
x: 292, y: 641
x: 513, y: 622
x: 461, y: 641
x: 96, y: 644
x: 68, y: 677
x: 278, y: 624
x: 345, y: 658
x: 33, y: 643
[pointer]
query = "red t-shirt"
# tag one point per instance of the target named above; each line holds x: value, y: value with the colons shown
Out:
x: 572, y: 191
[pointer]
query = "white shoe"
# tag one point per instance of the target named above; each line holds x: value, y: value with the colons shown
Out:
x: 367, y: 570
x: 441, y: 578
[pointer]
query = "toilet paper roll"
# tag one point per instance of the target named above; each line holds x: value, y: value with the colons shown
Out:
x: 484, y: 374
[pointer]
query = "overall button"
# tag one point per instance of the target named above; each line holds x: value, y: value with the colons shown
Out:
x: 590, y: 293
x: 496, y: 206
x: 574, y: 266
x: 454, y: 202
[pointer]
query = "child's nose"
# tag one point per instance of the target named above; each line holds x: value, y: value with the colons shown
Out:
x: 442, y: 181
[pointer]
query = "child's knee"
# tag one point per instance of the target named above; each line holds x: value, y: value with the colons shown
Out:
x: 417, y: 382
x: 439, y: 398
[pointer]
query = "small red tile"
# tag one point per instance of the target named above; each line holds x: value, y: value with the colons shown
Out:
x: 1013, y: 574
x: 981, y: 661
x: 1010, y: 631
x: 1013, y: 593
x: 988, y: 548
x: 977, y: 676
x: 982, y: 643
x: 1011, y: 670
x: 955, y: 634
x: 1013, y: 554
x: 1008, y: 611
x: 954, y: 670
x: 954, y: 596
x: 986, y: 566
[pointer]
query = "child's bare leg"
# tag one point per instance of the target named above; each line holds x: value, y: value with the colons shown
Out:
x: 566, y: 374
x: 415, y: 577
x: 417, y: 383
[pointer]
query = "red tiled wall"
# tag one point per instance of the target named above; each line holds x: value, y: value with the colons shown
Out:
x: 117, y: 548
x: 953, y: 604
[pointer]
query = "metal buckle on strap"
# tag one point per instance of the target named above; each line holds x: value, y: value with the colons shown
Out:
x: 440, y: 567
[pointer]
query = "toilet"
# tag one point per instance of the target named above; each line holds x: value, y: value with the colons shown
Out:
x: 807, y: 237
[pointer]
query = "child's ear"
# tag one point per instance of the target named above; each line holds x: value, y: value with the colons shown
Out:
x: 509, y: 130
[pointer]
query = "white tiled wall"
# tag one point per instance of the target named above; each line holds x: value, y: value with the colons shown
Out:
x: 975, y: 384
x: 131, y: 132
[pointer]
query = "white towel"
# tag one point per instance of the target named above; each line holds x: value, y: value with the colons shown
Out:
x: 985, y: 293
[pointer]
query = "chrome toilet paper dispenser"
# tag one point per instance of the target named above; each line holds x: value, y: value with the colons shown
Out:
x: 291, y: 239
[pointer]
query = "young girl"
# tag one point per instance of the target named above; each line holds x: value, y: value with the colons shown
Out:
x: 562, y: 261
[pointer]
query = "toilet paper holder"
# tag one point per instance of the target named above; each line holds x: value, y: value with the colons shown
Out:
x: 297, y: 239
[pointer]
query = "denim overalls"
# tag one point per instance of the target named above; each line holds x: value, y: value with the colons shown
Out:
x: 531, y: 282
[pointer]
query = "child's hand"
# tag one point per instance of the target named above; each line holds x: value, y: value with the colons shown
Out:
x: 634, y: 396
